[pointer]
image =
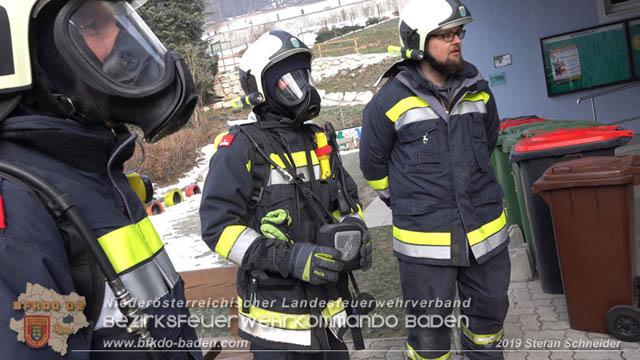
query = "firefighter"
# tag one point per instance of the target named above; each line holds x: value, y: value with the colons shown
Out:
x: 275, y: 192
x: 73, y: 74
x: 426, y: 141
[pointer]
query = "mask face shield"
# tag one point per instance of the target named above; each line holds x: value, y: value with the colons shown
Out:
x: 113, y: 45
x: 292, y: 88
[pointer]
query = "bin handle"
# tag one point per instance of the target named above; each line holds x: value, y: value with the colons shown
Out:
x: 561, y: 169
x: 532, y: 133
x: 577, y: 156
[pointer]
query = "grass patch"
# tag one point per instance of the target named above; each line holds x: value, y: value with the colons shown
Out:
x: 371, y: 40
x: 383, y: 282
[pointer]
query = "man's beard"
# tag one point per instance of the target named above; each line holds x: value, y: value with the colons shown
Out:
x: 447, y: 68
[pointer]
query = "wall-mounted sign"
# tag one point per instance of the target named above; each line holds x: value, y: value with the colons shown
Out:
x: 502, y: 60
x: 497, y: 79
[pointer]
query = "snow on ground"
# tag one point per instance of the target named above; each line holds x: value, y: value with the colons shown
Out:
x: 179, y: 225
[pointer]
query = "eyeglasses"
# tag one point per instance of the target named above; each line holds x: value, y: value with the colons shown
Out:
x: 449, y: 36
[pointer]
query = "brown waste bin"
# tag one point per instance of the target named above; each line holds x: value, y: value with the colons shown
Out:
x: 592, y: 206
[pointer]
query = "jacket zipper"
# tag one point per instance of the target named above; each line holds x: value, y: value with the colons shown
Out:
x: 455, y: 192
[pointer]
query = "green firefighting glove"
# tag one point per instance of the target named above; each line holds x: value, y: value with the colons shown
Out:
x: 275, y: 225
x: 315, y: 264
x: 365, y: 248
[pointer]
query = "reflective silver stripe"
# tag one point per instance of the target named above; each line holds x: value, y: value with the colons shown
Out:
x: 245, y: 239
x: 383, y: 194
x: 466, y: 107
x: 337, y: 322
x: 253, y: 327
x: 415, y: 115
x: 145, y: 283
x: 109, y: 309
x: 422, y: 251
x: 166, y: 268
x: 276, y: 177
x: 490, y: 243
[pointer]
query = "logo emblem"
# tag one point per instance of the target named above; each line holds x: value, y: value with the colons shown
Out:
x: 295, y: 42
x: 36, y: 330
x: 463, y: 11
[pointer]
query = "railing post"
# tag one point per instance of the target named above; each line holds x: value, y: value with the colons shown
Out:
x: 356, y: 41
x: 593, y: 109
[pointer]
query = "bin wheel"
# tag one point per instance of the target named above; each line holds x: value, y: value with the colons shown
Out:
x: 623, y: 322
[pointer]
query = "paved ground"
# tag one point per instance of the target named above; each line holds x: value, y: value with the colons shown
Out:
x: 537, y: 327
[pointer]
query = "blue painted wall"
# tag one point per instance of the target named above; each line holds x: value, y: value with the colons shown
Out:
x: 515, y: 27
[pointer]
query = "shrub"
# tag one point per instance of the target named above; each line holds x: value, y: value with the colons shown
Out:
x: 324, y: 35
x: 372, y: 20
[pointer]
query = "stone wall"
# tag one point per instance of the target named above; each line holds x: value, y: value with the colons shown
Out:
x: 228, y: 85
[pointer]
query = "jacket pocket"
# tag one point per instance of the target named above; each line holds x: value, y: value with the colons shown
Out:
x: 479, y: 143
x: 420, y: 143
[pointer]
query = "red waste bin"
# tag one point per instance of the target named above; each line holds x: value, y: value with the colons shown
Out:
x: 592, y: 206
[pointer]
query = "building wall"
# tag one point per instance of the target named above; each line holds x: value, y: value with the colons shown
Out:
x: 515, y: 27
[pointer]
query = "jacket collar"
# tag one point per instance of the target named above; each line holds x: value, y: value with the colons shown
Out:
x: 64, y: 140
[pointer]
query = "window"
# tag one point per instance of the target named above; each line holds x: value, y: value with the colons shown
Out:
x: 610, y: 10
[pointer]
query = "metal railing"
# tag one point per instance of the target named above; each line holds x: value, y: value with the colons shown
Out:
x: 606, y: 92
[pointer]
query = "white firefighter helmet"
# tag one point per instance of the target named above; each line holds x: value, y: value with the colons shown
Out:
x: 420, y: 18
x: 271, y: 48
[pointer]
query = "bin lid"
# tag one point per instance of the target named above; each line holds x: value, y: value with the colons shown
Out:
x: 510, y: 136
x: 570, y: 137
x: 590, y: 171
x: 507, y: 123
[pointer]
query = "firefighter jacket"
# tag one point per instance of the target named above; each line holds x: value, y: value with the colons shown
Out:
x: 432, y: 161
x: 85, y: 162
x: 274, y: 311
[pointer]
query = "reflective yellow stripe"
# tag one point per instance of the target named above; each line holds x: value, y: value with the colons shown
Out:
x: 413, y: 354
x: 299, y: 159
x: 422, y: 238
x: 130, y: 245
x: 336, y: 213
x: 217, y: 140
x: 277, y: 319
x: 333, y: 307
x: 403, y: 105
x: 379, y: 184
x: 477, y: 97
x: 228, y: 239
x: 481, y: 339
x: 487, y: 230
x: 248, y: 165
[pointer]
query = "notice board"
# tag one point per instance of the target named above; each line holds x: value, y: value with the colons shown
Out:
x: 634, y: 37
x: 588, y: 58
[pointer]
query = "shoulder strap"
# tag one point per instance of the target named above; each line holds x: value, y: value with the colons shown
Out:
x: 259, y: 166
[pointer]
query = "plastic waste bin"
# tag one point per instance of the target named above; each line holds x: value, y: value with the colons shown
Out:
x: 592, y: 206
x: 534, y: 155
x: 502, y: 169
x: 511, y: 174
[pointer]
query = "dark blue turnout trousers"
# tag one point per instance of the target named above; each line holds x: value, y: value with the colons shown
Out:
x: 483, y: 286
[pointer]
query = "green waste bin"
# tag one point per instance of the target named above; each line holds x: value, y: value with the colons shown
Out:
x: 502, y: 169
x: 508, y: 138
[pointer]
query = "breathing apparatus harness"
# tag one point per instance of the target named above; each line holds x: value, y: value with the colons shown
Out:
x: 344, y: 236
